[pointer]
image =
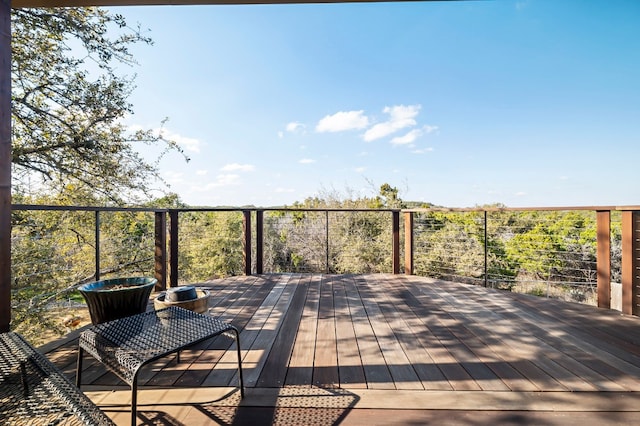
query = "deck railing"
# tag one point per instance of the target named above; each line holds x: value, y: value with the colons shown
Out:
x: 601, y: 249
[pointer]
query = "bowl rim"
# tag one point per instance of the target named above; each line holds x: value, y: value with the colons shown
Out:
x: 201, y: 293
x: 126, y: 283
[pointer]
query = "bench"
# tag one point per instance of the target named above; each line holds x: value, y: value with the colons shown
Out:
x: 33, y: 391
x: 127, y: 344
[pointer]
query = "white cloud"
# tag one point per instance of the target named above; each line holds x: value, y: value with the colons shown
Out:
x: 342, y: 121
x: 360, y: 169
x: 284, y: 190
x: 173, y: 177
x: 407, y: 139
x: 221, y: 180
x: 235, y: 167
x: 295, y: 127
x: 422, y: 151
x: 414, y: 134
x: 188, y: 144
x: 400, y: 117
x: 429, y: 129
x: 520, y: 194
x: 306, y: 161
x: 281, y: 134
x: 201, y: 172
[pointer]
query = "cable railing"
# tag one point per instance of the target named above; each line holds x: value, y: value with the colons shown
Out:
x: 586, y: 255
x: 550, y: 254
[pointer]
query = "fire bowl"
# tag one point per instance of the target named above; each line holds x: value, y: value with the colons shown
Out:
x: 200, y: 304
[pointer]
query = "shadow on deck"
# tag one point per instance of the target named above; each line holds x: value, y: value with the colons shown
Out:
x: 386, y: 349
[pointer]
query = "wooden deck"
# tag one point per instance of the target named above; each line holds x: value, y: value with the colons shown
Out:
x: 387, y: 349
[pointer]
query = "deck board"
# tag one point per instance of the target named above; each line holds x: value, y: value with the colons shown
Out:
x: 300, y: 368
x: 395, y: 334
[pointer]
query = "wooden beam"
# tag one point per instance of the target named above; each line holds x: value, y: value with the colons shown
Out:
x: 630, y: 261
x: 259, y: 241
x: 85, y: 3
x: 603, y: 258
x: 396, y: 241
x: 5, y: 165
x: 408, y: 243
x: 173, y: 248
x: 160, y: 254
x: 246, y: 224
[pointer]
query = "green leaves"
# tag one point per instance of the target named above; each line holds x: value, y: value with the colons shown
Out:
x: 69, y: 103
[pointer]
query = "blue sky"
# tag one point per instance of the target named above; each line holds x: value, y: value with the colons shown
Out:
x: 525, y: 103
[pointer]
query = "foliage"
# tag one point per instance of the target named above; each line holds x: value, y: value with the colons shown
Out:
x: 332, y: 241
x: 210, y: 245
x: 69, y: 103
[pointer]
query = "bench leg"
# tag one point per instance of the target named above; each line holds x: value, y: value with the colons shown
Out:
x: 239, y: 362
x: 134, y: 399
x: 79, y: 367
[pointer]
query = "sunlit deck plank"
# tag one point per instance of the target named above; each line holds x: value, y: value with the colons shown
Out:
x: 274, y: 372
x: 325, y: 362
x: 350, y: 367
x: 376, y: 371
x: 402, y: 372
x: 300, y: 370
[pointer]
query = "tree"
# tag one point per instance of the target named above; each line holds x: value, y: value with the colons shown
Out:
x: 69, y: 103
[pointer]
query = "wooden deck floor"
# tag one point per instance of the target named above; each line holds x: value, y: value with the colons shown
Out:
x: 388, y: 349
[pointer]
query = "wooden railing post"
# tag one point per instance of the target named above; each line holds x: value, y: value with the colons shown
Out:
x: 603, y: 258
x: 247, y: 241
x: 97, y: 251
x: 396, y: 241
x: 630, y: 261
x: 259, y: 240
x: 486, y: 249
x: 5, y: 165
x: 326, y: 241
x: 173, y: 248
x: 160, y: 252
x: 408, y: 243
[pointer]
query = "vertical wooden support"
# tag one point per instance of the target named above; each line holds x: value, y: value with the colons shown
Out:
x: 259, y: 240
x: 173, y: 248
x: 326, y: 241
x: 97, y: 243
x: 408, y: 243
x: 630, y: 261
x: 247, y: 241
x: 486, y: 249
x: 160, y: 251
x: 5, y: 165
x: 396, y: 241
x: 603, y: 258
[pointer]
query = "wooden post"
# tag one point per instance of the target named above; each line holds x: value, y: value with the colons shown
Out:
x: 173, y: 248
x: 160, y: 252
x: 630, y: 261
x: 97, y: 250
x: 259, y: 240
x: 486, y: 249
x: 247, y: 241
x: 603, y: 258
x: 396, y: 241
x: 5, y: 165
x: 408, y: 243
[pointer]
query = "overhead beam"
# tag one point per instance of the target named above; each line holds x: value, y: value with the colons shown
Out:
x: 87, y: 3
